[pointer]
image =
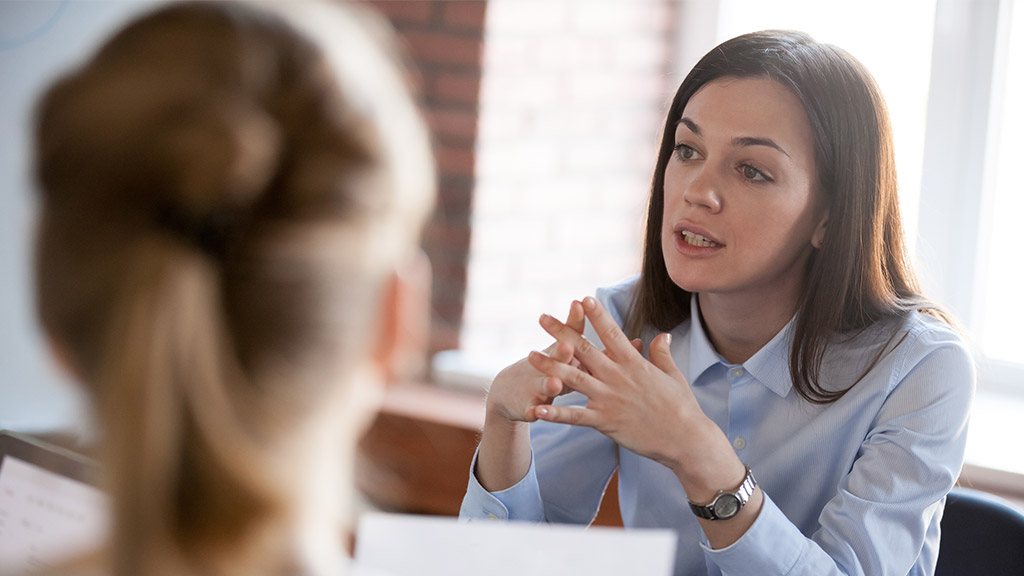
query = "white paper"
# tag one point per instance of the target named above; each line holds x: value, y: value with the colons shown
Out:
x: 46, y: 518
x: 403, y: 545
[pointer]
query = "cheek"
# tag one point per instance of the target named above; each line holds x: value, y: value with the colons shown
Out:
x: 669, y: 213
x: 675, y: 186
x: 787, y: 226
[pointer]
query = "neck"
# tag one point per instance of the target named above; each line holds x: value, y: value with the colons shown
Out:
x: 309, y: 490
x: 318, y: 455
x: 739, y: 326
x: 323, y: 514
x: 323, y: 507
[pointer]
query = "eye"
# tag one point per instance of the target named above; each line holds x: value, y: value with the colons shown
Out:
x: 753, y: 174
x: 685, y: 152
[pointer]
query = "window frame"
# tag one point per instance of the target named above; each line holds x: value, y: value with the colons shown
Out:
x: 971, y: 42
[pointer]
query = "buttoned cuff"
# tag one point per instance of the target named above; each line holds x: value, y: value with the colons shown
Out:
x: 519, y: 502
x: 772, y: 545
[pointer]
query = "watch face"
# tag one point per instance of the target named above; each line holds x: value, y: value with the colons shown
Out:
x: 726, y: 506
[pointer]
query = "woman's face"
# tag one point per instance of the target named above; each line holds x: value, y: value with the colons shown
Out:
x: 741, y: 206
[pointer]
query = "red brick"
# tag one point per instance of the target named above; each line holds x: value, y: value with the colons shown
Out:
x: 439, y: 48
x: 452, y: 124
x: 455, y: 159
x: 455, y: 200
x: 443, y: 338
x: 456, y: 88
x: 465, y: 14
x: 402, y: 11
x: 450, y: 303
x: 449, y: 276
x: 449, y: 235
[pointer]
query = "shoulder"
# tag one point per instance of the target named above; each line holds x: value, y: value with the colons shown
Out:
x: 915, y: 350
x: 617, y: 298
x: 933, y: 353
x: 926, y: 335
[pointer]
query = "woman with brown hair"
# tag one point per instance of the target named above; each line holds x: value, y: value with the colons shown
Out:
x: 801, y: 408
x: 231, y: 201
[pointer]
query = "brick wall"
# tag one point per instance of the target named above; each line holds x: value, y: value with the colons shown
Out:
x: 444, y: 41
x: 545, y: 117
x: 572, y: 99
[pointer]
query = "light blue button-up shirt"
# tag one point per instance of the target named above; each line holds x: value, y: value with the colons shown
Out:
x: 852, y: 487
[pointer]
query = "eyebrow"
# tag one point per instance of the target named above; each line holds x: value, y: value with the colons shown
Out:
x: 742, y: 141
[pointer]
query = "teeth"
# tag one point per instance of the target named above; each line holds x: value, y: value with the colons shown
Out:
x: 697, y: 240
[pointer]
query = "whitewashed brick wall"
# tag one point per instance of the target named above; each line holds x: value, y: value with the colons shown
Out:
x: 572, y: 97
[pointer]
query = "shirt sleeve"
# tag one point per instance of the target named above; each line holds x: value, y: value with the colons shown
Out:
x: 569, y: 470
x: 519, y: 502
x: 570, y: 466
x: 883, y: 519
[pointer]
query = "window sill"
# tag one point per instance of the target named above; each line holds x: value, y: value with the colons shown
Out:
x: 993, y: 463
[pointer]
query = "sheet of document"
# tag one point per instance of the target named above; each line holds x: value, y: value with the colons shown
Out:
x: 46, y: 518
x: 401, y: 545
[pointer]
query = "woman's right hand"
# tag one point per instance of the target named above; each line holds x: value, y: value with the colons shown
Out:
x: 515, y: 395
x: 520, y: 388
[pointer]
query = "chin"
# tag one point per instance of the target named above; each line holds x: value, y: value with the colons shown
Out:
x: 689, y: 281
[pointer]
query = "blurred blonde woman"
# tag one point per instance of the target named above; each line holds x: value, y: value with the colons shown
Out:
x: 231, y: 199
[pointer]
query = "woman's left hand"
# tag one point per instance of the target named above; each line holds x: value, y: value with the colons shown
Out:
x: 645, y: 406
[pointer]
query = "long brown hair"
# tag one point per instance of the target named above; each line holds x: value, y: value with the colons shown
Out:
x: 222, y: 197
x: 861, y: 274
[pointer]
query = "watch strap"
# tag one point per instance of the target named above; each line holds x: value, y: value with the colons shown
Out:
x: 741, y: 495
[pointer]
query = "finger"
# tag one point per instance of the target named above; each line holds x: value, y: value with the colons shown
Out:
x: 661, y: 357
x: 562, y: 352
x: 547, y: 389
x: 590, y: 356
x: 616, y: 344
x: 567, y: 375
x: 551, y: 387
x: 577, y: 319
x: 572, y: 415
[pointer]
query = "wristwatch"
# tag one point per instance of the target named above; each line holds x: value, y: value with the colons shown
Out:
x: 727, y: 504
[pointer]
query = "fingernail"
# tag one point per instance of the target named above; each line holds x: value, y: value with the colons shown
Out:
x: 545, y: 319
x: 668, y: 338
x: 589, y: 303
x: 542, y: 411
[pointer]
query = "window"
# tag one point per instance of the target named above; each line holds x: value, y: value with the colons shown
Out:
x: 970, y: 249
x: 1002, y: 269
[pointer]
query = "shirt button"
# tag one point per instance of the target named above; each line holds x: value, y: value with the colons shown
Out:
x: 492, y: 517
x: 736, y: 372
x: 739, y: 443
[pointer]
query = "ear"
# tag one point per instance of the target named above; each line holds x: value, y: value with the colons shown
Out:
x: 818, y: 238
x: 401, y: 347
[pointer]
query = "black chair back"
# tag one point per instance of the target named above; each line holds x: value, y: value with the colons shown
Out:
x: 982, y: 535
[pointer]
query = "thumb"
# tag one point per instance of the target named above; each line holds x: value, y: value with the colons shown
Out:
x: 661, y: 356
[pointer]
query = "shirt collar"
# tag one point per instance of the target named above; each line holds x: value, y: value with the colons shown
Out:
x: 702, y: 353
x: 769, y: 365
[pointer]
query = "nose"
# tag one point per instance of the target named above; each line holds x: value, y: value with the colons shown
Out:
x: 702, y: 192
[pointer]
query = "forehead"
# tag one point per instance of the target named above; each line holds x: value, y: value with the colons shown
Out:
x: 750, y: 107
